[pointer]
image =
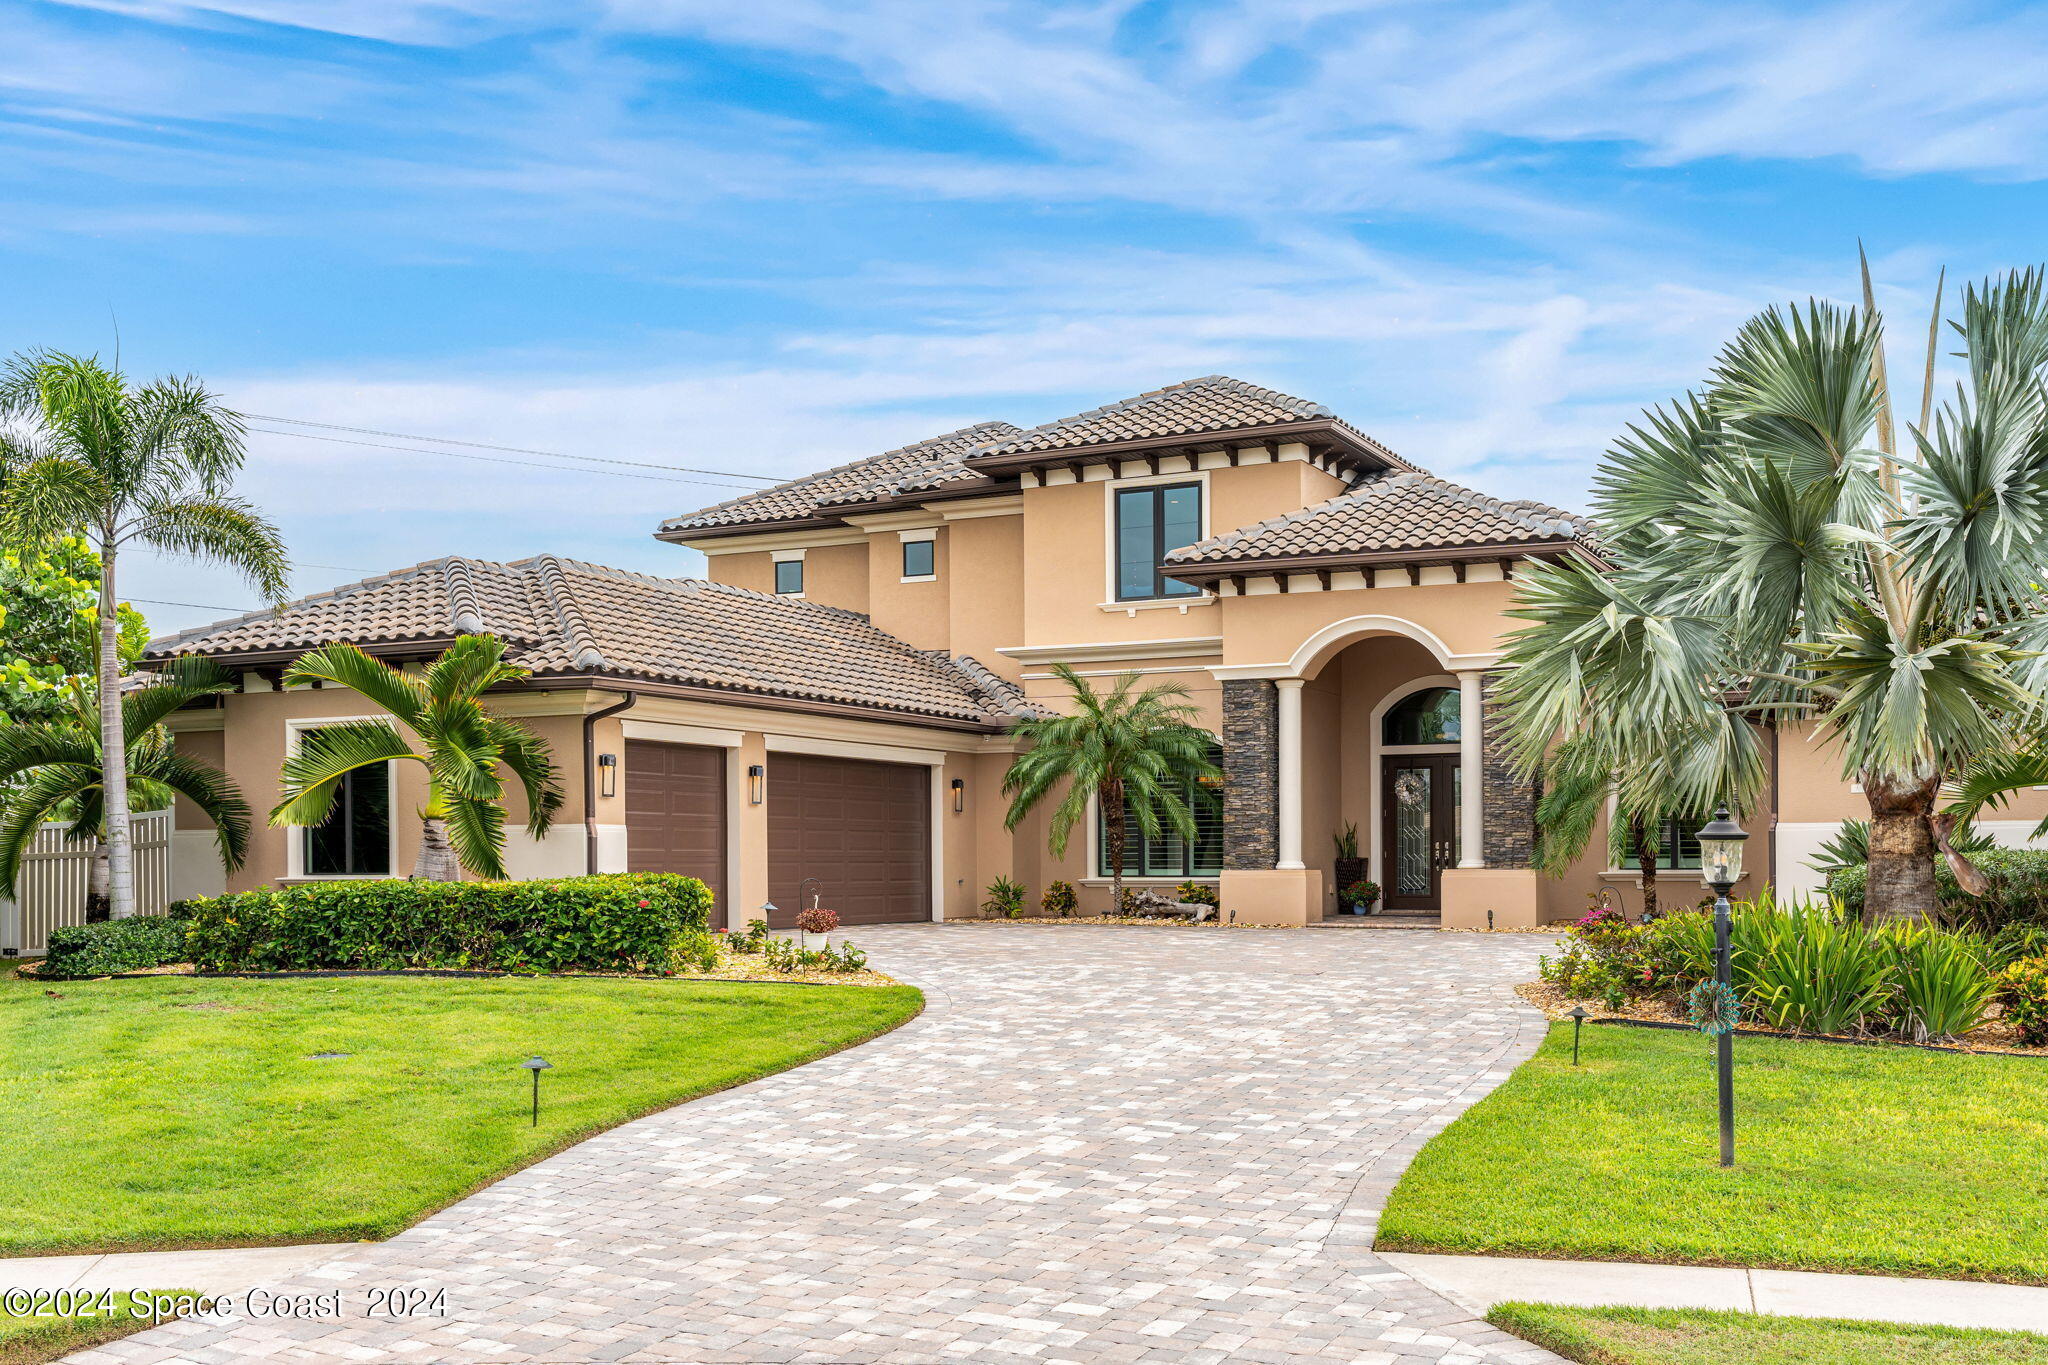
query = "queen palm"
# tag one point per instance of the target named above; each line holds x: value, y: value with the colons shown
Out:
x: 1777, y: 552
x: 150, y: 466
x: 460, y: 744
x: 1128, y: 750
x: 53, y: 768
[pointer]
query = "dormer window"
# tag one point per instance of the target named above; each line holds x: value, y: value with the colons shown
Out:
x: 1150, y: 522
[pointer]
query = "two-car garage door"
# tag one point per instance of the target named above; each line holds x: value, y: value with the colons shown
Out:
x: 862, y: 829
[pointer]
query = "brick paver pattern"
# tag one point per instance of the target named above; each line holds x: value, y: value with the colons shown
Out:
x: 1098, y: 1144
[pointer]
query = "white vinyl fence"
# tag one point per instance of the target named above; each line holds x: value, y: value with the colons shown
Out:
x: 54, y: 872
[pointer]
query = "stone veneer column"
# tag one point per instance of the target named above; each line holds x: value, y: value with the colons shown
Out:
x: 1509, y: 815
x: 1250, y: 786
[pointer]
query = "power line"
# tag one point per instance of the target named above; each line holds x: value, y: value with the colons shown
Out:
x: 499, y: 459
x: 196, y: 606
x: 515, y: 450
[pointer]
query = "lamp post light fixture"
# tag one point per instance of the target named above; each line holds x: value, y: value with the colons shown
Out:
x: 1721, y: 866
x: 757, y: 781
x: 1578, y: 1023
x: 536, y: 1065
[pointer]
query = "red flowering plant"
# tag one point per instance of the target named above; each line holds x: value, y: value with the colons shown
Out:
x: 817, y: 920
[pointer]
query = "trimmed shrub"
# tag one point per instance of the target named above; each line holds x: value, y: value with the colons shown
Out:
x: 2018, y: 893
x: 115, y: 945
x: 636, y: 922
x: 2023, y: 990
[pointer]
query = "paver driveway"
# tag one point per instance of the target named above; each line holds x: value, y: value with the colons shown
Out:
x: 1097, y: 1144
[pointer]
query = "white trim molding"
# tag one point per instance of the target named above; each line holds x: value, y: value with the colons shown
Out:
x: 1103, y: 651
x: 668, y: 732
x: 1288, y: 776
x: 787, y: 540
x: 1317, y: 649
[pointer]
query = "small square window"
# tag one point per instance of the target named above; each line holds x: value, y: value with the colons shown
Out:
x: 789, y: 576
x: 919, y: 559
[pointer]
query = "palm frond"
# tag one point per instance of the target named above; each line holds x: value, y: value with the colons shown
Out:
x: 476, y: 830
x: 30, y: 804
x: 216, y: 529
x: 529, y: 759
x: 344, y: 665
x: 217, y: 798
x: 326, y: 755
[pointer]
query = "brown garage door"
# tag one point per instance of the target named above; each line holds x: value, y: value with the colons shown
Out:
x: 862, y: 829
x: 675, y: 812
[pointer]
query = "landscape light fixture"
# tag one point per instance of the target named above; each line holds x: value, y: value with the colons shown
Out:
x: 608, y: 774
x: 757, y: 781
x: 1721, y: 866
x: 1578, y: 1023
x: 959, y: 796
x: 536, y: 1065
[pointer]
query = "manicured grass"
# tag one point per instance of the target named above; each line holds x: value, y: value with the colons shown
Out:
x: 1688, y: 1336
x: 1879, y: 1160
x: 179, y: 1112
x: 30, y: 1340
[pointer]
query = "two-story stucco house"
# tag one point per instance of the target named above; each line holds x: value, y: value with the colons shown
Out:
x: 832, y: 702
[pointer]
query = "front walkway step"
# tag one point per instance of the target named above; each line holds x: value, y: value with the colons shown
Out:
x: 225, y: 1270
x: 1480, y: 1282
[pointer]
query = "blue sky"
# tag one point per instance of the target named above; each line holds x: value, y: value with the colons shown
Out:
x: 775, y: 235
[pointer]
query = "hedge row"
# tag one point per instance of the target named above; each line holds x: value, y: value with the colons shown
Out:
x: 118, y: 945
x: 623, y: 922
x: 2018, y: 893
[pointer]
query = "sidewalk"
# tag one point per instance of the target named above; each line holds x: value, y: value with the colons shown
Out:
x: 230, y: 1270
x: 1479, y: 1282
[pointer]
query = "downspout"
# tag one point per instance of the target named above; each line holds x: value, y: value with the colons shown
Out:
x: 590, y: 775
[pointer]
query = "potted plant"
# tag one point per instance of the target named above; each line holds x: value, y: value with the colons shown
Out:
x: 812, y: 925
x: 1350, y: 867
x: 1359, y: 897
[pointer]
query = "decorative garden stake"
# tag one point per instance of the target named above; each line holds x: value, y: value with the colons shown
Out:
x: 536, y: 1065
x: 1578, y: 1022
x: 1721, y: 866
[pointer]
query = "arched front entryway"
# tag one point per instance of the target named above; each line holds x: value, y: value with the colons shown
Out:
x: 1417, y: 782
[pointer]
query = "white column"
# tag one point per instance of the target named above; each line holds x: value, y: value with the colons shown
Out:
x: 1288, y: 772
x: 1472, y: 777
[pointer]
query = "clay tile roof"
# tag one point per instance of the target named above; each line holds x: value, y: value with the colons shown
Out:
x: 913, y: 468
x: 1214, y: 403
x: 1407, y: 510
x: 562, y: 616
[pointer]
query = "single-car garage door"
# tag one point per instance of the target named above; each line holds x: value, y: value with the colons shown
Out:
x: 675, y: 812
x: 862, y: 829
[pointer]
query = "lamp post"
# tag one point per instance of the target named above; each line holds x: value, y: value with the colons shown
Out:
x: 1721, y: 862
x: 536, y: 1065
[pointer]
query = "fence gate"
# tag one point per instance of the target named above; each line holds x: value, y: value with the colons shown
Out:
x: 54, y: 873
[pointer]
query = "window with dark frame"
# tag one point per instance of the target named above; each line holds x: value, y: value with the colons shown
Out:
x: 1169, y: 855
x: 355, y: 838
x: 1151, y: 522
x: 1678, y: 842
x: 920, y: 559
x: 789, y: 576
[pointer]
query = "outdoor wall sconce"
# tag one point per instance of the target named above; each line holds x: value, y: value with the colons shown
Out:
x: 757, y: 782
x: 959, y: 796
x: 607, y: 774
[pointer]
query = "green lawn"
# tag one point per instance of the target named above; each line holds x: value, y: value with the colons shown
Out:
x: 1689, y: 1336
x: 177, y: 1112
x: 1880, y: 1160
x: 30, y: 1339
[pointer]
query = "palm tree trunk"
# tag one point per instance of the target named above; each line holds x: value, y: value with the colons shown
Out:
x: 436, y: 861
x: 1113, y: 824
x: 1646, y: 863
x: 114, y: 745
x: 1901, y: 885
x: 96, y: 907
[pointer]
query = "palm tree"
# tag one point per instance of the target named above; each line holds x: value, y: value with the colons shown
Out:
x: 1127, y: 751
x: 1776, y: 553
x: 86, y: 454
x: 461, y: 746
x: 54, y: 769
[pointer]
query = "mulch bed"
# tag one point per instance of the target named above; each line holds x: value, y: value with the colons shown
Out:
x: 1995, y: 1037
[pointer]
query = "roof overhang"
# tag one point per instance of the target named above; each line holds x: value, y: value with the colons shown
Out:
x: 766, y: 701
x: 1322, y: 435
x: 838, y: 517
x: 1214, y: 570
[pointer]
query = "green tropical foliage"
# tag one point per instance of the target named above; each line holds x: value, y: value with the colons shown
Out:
x: 48, y: 610
x: 54, y: 769
x: 1128, y: 750
x: 86, y: 454
x: 1776, y: 552
x: 460, y: 744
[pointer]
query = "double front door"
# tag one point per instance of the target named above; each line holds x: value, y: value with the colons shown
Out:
x: 1419, y: 828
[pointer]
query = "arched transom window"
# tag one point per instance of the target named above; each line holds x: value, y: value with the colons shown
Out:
x: 1429, y: 716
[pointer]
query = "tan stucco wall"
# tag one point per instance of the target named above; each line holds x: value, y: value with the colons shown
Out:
x: 834, y: 575
x: 918, y: 613
x: 986, y: 572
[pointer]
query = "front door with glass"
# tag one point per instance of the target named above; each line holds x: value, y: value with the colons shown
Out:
x: 1419, y: 829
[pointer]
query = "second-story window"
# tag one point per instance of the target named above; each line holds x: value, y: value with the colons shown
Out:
x: 920, y: 559
x: 789, y: 576
x: 1149, y: 523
